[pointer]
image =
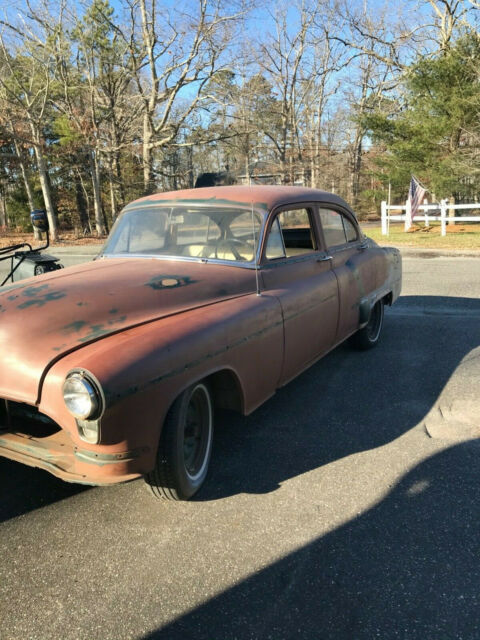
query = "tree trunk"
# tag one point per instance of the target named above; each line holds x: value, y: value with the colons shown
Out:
x: 28, y: 187
x: 149, y: 185
x: 3, y: 211
x: 118, y: 173
x: 111, y: 184
x: 44, y: 183
x: 105, y: 221
x: 355, y: 167
x: 191, y: 181
x: 284, y: 168
x: 97, y: 199
x: 81, y: 206
x: 113, y: 203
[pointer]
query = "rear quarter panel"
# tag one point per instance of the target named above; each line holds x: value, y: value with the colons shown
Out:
x: 365, y: 275
x: 388, y: 278
x: 393, y: 271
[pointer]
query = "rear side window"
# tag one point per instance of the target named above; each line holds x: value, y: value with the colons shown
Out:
x: 337, y: 228
x: 291, y: 235
x: 350, y: 230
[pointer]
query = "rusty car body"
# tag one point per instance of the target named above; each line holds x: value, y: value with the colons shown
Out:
x: 203, y: 298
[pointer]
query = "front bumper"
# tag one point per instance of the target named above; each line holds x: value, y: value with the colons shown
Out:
x: 58, y: 455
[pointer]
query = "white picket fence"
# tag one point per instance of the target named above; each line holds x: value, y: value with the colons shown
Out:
x: 441, y: 211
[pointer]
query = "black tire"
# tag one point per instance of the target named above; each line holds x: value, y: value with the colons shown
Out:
x: 369, y: 336
x: 185, y: 446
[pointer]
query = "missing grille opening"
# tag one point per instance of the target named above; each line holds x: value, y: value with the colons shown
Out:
x: 23, y: 418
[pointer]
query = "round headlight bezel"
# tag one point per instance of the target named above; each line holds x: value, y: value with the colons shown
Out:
x: 83, y: 384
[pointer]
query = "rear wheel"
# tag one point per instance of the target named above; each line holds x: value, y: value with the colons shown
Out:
x: 369, y: 336
x: 185, y: 446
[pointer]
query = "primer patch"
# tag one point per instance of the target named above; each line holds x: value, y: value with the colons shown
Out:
x: 169, y: 282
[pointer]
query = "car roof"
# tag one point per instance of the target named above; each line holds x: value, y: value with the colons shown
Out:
x: 264, y: 196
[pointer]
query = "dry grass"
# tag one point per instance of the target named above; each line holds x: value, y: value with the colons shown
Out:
x: 459, y: 236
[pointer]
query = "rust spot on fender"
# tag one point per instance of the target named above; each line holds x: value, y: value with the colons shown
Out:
x: 30, y: 292
x: 74, y: 326
x: 99, y: 330
x: 41, y: 300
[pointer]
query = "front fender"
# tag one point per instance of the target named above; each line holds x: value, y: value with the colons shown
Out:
x: 143, y: 370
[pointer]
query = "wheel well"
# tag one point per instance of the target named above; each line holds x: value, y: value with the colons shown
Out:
x: 226, y: 390
x: 366, y: 307
x: 388, y: 299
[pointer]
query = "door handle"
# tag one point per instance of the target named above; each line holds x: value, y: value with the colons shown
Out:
x: 325, y: 259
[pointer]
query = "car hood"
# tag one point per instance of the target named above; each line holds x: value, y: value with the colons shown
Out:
x: 45, y: 317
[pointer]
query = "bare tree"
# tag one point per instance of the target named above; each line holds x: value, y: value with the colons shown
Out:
x: 282, y: 55
x: 323, y: 84
x: 174, y: 49
x: 387, y: 34
x: 28, y: 70
x: 448, y: 17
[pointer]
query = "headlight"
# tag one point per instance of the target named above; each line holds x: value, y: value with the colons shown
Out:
x: 81, y: 397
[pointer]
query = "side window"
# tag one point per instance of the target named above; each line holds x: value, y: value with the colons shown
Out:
x: 291, y: 235
x: 350, y: 230
x: 275, y: 248
x: 337, y: 228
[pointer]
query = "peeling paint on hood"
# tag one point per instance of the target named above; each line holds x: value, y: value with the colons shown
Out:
x: 45, y: 317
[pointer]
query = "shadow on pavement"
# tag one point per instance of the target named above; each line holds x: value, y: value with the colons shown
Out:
x: 25, y: 489
x: 408, y: 568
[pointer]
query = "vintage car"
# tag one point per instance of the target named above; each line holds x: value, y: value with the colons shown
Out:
x: 200, y: 299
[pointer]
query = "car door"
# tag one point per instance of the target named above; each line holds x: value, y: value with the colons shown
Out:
x: 298, y: 272
x: 353, y: 266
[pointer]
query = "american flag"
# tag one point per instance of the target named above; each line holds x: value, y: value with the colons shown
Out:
x: 415, y: 197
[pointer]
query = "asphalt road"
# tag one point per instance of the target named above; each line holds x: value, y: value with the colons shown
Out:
x: 347, y: 507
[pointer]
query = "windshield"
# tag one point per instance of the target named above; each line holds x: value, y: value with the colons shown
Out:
x: 187, y: 232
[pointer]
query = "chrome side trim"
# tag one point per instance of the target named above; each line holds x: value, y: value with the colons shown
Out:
x: 229, y: 263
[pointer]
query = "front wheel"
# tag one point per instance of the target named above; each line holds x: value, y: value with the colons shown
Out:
x: 185, y: 446
x: 369, y: 336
